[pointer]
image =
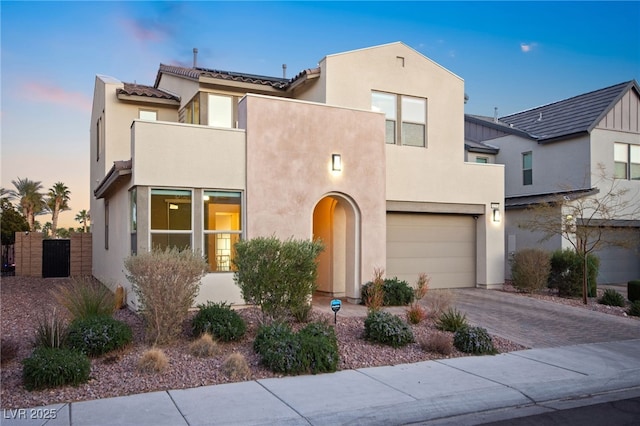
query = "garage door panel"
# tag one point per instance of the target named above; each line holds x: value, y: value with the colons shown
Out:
x: 442, y: 246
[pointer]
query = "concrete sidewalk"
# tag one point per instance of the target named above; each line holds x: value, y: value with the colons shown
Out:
x: 468, y: 390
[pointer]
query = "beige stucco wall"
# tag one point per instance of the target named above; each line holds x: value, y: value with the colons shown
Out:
x: 289, y: 147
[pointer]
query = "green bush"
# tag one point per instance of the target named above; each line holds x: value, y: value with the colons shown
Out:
x: 220, y: 321
x: 634, y: 310
x: 530, y: 269
x: 396, y: 292
x: 314, y: 349
x: 166, y: 283
x: 451, y: 320
x: 473, y: 340
x: 612, y: 298
x: 85, y: 297
x: 49, y: 367
x: 633, y: 290
x: 95, y: 336
x: 388, y: 329
x: 567, y: 270
x: 279, y: 276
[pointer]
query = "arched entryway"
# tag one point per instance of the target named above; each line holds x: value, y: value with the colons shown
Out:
x: 336, y: 221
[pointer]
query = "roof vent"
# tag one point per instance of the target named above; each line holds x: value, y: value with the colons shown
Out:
x: 195, y: 57
x: 495, y: 114
x: 284, y: 70
x: 540, y: 117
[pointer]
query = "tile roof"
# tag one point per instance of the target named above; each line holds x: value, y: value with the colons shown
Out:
x: 134, y: 89
x: 522, y: 201
x: 480, y: 147
x: 578, y: 114
x: 197, y: 73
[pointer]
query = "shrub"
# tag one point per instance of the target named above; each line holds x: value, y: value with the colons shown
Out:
x: 633, y: 290
x: 235, y: 367
x: 51, y: 367
x: 438, y: 302
x: 51, y: 330
x: 319, y: 348
x: 278, y: 276
x: 383, y: 327
x: 473, y: 340
x: 279, y: 348
x: 440, y: 343
x: 166, y: 284
x: 416, y: 313
x: 634, y: 310
x: 313, y: 349
x: 451, y: 320
x: 611, y: 297
x: 220, y: 320
x: 395, y: 292
x: 153, y: 361
x: 530, y: 269
x: 567, y: 271
x: 204, y: 346
x: 422, y: 286
x: 8, y: 350
x: 95, y: 336
x: 373, y: 293
x: 85, y: 297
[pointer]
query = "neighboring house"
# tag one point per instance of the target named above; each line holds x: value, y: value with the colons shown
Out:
x: 556, y: 149
x: 363, y: 152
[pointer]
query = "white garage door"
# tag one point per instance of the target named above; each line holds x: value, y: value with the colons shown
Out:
x: 443, y: 246
x: 620, y: 264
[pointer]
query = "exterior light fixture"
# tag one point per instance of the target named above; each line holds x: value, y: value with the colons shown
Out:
x: 496, y: 212
x: 336, y: 163
x: 173, y: 206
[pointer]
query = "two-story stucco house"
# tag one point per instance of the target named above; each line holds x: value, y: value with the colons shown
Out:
x: 364, y: 152
x: 557, y: 149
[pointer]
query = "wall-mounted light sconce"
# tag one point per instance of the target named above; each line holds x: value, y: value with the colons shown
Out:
x: 496, y: 212
x: 173, y: 206
x: 336, y: 162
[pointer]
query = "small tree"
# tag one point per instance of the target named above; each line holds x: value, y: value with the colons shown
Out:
x: 584, y: 218
x: 166, y: 283
x: 279, y: 276
x: 83, y: 217
x: 57, y: 201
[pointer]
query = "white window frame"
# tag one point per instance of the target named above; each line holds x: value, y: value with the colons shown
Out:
x: 153, y: 231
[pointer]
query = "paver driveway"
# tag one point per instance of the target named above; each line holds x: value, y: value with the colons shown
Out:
x: 541, y: 324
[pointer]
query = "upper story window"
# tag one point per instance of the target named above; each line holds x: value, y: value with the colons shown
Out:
x: 527, y: 168
x: 222, y: 228
x: 192, y: 111
x: 148, y: 114
x: 410, y: 111
x: 220, y: 111
x: 171, y: 218
x: 482, y: 160
x: 626, y: 158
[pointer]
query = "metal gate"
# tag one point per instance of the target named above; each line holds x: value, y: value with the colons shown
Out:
x: 56, y: 258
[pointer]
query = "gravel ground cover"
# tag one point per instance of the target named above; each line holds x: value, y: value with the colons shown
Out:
x: 24, y: 299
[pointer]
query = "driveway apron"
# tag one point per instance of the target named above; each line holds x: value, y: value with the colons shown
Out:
x: 541, y: 324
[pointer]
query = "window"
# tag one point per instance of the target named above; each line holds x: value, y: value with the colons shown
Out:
x: 482, y: 160
x: 192, y: 111
x: 220, y: 111
x: 222, y: 228
x: 171, y: 218
x: 627, y: 161
x: 414, y: 117
x: 527, y: 168
x: 133, y: 219
x: 386, y: 102
x: 410, y: 111
x: 146, y: 114
x: 98, y: 138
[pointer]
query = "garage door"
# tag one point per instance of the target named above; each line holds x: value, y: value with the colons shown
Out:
x: 620, y: 264
x: 443, y: 246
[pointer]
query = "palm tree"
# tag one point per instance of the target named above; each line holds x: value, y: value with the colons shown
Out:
x: 30, y: 199
x: 58, y: 201
x: 83, y: 217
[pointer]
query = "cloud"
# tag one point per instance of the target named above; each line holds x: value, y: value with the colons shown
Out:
x: 56, y: 95
x: 143, y: 31
x: 527, y: 47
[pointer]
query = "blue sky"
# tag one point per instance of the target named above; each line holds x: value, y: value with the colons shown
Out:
x: 512, y: 55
